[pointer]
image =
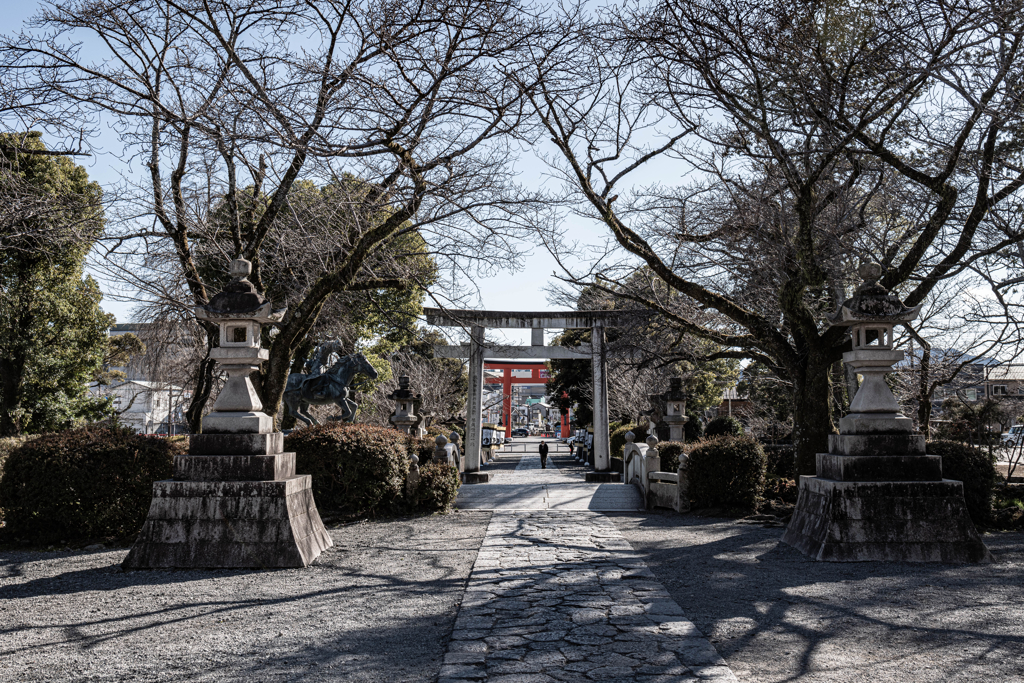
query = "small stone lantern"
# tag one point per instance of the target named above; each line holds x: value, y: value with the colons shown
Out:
x: 240, y: 312
x: 675, y: 409
x: 406, y: 406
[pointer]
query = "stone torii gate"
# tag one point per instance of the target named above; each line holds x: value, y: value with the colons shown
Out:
x: 476, y: 351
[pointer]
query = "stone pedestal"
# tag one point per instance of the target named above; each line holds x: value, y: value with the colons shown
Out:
x: 878, y: 496
x: 241, y: 507
x: 901, y: 521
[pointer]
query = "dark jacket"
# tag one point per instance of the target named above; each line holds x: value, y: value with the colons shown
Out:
x: 543, y: 448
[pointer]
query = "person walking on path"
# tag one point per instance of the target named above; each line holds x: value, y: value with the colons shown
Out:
x: 543, y: 448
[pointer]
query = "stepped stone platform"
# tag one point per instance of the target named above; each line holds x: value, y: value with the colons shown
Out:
x: 246, y: 508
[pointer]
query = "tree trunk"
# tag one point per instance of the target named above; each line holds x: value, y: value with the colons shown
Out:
x: 812, y: 414
x: 201, y: 392
x: 12, y: 370
x: 924, y: 397
x: 275, y: 377
x: 298, y: 361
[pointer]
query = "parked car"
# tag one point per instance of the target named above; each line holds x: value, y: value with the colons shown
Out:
x: 520, y: 431
x: 1013, y: 437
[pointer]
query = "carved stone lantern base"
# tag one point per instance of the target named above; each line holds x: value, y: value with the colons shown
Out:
x: 235, y: 502
x: 895, y: 521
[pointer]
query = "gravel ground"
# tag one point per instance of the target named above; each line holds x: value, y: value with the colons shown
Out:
x: 775, y: 615
x: 378, y: 606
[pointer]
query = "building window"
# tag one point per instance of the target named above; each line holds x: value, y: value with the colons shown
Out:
x: 972, y: 394
x: 999, y: 390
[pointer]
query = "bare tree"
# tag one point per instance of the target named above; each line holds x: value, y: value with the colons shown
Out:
x: 809, y: 138
x: 304, y: 138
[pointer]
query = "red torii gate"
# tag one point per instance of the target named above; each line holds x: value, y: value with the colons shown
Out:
x: 538, y: 375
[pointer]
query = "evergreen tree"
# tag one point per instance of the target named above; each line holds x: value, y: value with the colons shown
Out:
x: 52, y: 331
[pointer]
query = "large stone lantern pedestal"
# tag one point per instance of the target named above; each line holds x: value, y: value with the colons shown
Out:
x: 877, y: 494
x: 235, y: 500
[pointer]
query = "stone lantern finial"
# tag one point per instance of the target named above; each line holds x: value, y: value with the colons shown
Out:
x: 870, y: 272
x: 240, y: 269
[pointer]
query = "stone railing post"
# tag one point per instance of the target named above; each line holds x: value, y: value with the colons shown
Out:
x: 412, y: 480
x: 652, y: 463
x: 440, y: 452
x: 683, y: 484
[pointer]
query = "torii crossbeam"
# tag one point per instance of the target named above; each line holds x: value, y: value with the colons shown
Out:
x: 477, y: 351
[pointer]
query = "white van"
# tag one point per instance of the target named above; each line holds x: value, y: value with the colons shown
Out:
x: 1013, y: 437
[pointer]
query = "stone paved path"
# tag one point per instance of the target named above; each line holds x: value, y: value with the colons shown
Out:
x: 528, y: 487
x: 559, y: 595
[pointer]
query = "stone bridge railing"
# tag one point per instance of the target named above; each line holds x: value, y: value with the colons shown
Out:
x: 642, y: 465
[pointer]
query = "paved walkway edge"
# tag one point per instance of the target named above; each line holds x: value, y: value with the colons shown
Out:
x: 559, y: 596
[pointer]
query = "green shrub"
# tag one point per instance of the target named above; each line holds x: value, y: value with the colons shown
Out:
x: 83, y: 483
x: 357, y: 469
x: 781, y: 461
x: 439, y: 484
x: 446, y: 431
x: 728, y: 472
x: 617, y: 438
x: 724, y: 425
x: 421, y: 448
x: 975, y: 469
x: 670, y: 452
x: 693, y: 429
x: 8, y: 444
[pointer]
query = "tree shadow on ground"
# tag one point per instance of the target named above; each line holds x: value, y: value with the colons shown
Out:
x: 378, y: 606
x: 777, y: 615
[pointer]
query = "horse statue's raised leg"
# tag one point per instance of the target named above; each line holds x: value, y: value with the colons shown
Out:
x: 348, y: 409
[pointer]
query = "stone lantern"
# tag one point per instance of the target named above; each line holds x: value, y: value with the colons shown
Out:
x: 675, y: 409
x: 877, y: 494
x: 240, y: 312
x: 407, y: 405
x: 235, y: 500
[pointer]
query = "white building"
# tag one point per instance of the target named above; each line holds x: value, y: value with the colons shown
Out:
x: 145, y: 406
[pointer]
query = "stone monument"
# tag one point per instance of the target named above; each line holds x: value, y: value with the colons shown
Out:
x: 407, y: 406
x: 675, y: 409
x: 234, y: 500
x: 877, y: 494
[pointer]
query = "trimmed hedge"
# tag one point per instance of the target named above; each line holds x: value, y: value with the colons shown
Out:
x: 693, y: 429
x: 670, y: 452
x: 83, y: 484
x: 781, y: 460
x: 439, y: 484
x: 724, y: 425
x: 975, y: 469
x: 617, y: 438
x: 8, y: 444
x: 421, y: 448
x: 446, y: 431
x: 358, y: 469
x: 728, y: 472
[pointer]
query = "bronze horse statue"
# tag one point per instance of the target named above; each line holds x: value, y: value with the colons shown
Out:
x: 322, y: 387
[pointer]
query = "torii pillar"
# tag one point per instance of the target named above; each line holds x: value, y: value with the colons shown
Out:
x: 474, y: 409
x: 599, y: 367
